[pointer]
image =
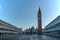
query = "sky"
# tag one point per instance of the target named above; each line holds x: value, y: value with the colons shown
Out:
x: 23, y: 13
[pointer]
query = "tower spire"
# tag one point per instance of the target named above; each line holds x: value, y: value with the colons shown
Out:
x: 39, y: 12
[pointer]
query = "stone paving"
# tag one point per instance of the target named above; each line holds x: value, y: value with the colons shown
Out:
x: 29, y: 37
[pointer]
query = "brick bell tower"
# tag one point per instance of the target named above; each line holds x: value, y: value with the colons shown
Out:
x: 39, y: 22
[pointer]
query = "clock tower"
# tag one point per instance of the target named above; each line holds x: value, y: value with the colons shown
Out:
x: 39, y: 22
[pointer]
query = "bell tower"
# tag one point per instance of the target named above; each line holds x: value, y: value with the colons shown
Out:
x: 39, y: 22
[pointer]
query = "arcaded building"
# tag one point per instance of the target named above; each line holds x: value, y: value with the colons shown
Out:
x: 53, y: 28
x: 6, y: 28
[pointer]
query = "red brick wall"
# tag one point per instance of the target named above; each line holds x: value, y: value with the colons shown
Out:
x: 39, y: 26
